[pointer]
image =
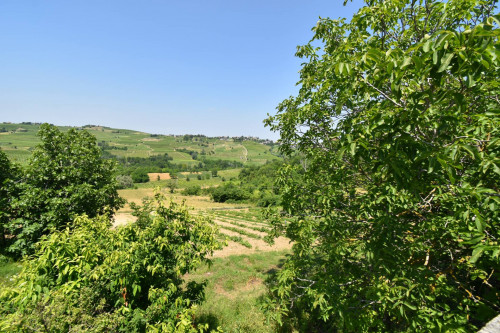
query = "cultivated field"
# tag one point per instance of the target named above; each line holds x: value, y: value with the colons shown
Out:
x: 241, y: 225
x: 17, y: 140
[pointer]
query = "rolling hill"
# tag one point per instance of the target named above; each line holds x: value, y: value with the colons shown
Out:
x: 18, y: 140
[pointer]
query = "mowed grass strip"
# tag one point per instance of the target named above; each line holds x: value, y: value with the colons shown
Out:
x: 254, y: 223
x: 253, y: 215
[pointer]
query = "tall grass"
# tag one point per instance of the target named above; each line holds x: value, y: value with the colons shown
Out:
x: 235, y: 286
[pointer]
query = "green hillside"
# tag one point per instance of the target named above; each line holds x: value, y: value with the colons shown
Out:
x: 17, y: 140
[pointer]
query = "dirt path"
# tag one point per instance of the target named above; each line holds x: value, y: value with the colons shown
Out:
x: 245, y: 153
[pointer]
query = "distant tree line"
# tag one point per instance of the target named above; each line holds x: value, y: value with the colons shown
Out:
x: 254, y: 184
x: 139, y: 167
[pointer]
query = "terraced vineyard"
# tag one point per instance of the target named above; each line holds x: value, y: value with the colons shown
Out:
x: 242, y: 228
x: 245, y: 231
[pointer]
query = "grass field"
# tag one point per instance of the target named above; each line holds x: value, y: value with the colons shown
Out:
x: 19, y: 139
x: 235, y: 287
x: 7, y: 271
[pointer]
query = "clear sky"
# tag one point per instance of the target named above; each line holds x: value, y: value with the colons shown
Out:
x: 169, y: 67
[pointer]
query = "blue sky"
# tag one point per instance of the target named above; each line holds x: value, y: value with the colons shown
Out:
x: 170, y: 67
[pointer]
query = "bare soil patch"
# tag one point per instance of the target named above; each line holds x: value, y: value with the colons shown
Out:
x: 123, y: 218
x: 153, y: 176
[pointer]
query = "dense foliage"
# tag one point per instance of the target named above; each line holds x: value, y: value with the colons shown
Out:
x: 124, y: 181
x: 394, y: 211
x: 192, y: 190
x: 90, y: 278
x: 229, y: 192
x: 8, y: 175
x: 139, y: 176
x: 254, y: 184
x: 259, y: 181
x: 65, y: 177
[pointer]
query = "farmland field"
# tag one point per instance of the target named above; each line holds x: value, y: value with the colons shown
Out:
x: 236, y: 278
x: 240, y: 224
x: 17, y: 140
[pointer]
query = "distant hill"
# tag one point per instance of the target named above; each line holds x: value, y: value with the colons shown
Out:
x: 18, y: 140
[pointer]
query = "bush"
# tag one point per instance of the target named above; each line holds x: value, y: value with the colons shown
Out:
x: 229, y: 191
x: 9, y: 173
x: 124, y: 181
x: 192, y: 190
x: 140, y: 176
x: 90, y: 278
x: 268, y: 199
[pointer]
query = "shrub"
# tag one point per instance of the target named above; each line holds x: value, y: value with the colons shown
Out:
x: 90, y: 278
x: 192, y: 190
x: 229, y: 191
x: 8, y: 175
x: 268, y: 199
x: 140, y: 176
x: 124, y: 181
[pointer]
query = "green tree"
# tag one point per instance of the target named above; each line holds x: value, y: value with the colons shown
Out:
x: 394, y: 209
x: 140, y: 176
x: 65, y: 177
x: 172, y: 184
x: 91, y: 278
x: 124, y: 181
x: 229, y: 191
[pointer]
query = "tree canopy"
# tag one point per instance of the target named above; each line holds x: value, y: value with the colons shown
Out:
x: 394, y: 209
x: 65, y: 177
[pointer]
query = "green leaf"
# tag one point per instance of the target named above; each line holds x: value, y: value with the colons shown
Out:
x: 353, y: 148
x: 407, y: 61
x: 427, y: 46
x: 445, y: 62
x: 476, y: 254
